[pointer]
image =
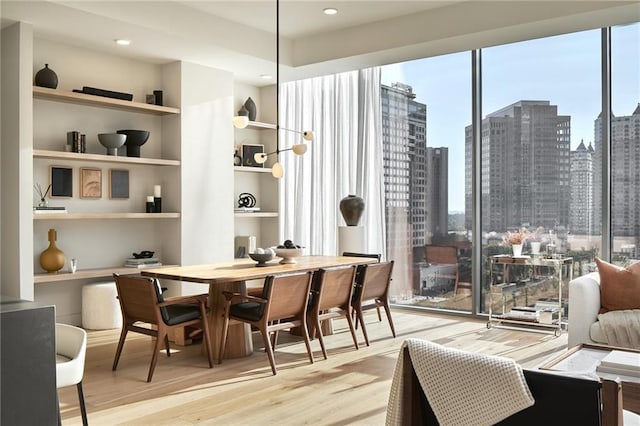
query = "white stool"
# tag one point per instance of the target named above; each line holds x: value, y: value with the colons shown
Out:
x: 100, y: 306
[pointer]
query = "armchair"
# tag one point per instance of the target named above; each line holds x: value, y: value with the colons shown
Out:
x: 584, y: 306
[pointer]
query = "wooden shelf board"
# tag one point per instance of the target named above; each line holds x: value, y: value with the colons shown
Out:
x: 82, y: 98
x: 246, y: 169
x: 257, y: 214
x: 94, y: 216
x: 62, y: 155
x: 88, y: 273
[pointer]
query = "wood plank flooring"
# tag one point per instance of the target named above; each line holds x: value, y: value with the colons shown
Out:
x: 350, y: 388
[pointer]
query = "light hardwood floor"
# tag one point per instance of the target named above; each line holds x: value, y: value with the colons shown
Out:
x: 350, y: 388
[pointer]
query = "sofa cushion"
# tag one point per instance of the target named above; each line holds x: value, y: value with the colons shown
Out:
x: 597, y: 334
x: 619, y: 287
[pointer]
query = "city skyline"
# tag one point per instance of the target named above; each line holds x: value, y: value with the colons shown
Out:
x: 564, y: 70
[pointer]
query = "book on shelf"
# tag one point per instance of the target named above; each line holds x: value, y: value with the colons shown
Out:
x: 522, y: 315
x: 246, y: 209
x: 142, y: 261
x: 45, y: 210
x: 143, y: 265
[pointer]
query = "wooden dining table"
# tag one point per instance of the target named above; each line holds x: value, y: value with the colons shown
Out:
x: 232, y: 276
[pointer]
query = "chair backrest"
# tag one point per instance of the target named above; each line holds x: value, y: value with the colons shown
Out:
x: 335, y: 287
x: 287, y: 295
x: 71, y: 342
x: 376, y: 279
x: 369, y: 255
x: 139, y: 297
x: 441, y: 254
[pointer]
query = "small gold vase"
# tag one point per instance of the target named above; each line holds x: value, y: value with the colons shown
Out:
x: 52, y: 259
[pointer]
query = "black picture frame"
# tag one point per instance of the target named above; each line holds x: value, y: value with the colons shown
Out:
x: 118, y: 184
x: 61, y: 182
x: 248, y: 152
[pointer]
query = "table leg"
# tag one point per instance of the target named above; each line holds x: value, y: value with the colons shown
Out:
x: 239, y: 343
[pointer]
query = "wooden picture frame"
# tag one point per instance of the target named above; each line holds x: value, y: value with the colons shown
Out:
x: 118, y: 184
x: 248, y: 152
x: 61, y: 179
x: 90, y: 182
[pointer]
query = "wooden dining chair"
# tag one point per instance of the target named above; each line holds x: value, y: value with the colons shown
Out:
x: 372, y: 291
x: 283, y: 305
x: 376, y: 256
x: 331, y: 293
x: 141, y: 301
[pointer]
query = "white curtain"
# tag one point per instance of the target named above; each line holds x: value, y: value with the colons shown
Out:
x: 345, y: 157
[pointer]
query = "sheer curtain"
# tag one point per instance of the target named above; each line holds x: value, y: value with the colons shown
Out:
x: 344, y: 158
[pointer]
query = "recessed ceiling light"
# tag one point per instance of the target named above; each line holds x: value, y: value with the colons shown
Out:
x: 266, y: 76
x: 330, y: 10
x: 122, y: 42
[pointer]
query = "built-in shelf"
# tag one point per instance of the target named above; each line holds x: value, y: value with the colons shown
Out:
x: 82, y: 98
x: 257, y: 214
x: 88, y: 273
x: 94, y: 216
x: 63, y: 155
x: 246, y: 169
x: 260, y: 125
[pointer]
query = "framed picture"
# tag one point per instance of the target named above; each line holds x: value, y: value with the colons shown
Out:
x: 90, y: 183
x: 248, y: 152
x: 118, y: 183
x: 61, y: 182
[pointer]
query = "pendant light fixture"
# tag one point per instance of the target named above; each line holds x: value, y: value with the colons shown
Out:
x: 241, y: 122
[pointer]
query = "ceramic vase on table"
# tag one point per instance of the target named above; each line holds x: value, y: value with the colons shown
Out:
x: 52, y: 259
x: 517, y: 250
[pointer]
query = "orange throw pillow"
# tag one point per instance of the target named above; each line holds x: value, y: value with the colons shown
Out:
x: 619, y: 287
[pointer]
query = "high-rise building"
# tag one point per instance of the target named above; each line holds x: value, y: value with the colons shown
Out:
x: 625, y: 176
x: 581, y: 190
x: 525, y: 167
x: 437, y: 194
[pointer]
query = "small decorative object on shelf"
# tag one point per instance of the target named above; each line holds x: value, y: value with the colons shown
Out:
x: 158, y: 97
x: 144, y: 254
x: 150, y: 204
x: 73, y: 265
x: 237, y: 160
x: 157, y: 199
x: 43, y: 201
x: 246, y: 199
x: 46, y: 77
x: 351, y: 208
x: 251, y: 108
x: 151, y: 99
x: 135, y: 139
x: 105, y: 93
x: 52, y: 259
x: 112, y: 141
x: 249, y: 155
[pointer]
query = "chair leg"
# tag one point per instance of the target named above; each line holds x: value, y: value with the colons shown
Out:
x: 352, y: 329
x: 166, y: 344
x: 206, y: 339
x: 378, y: 311
x: 318, y: 330
x: 223, y: 338
x: 305, y: 335
x: 385, y: 305
x: 364, y: 328
x: 154, y: 359
x: 123, y: 335
x: 83, y: 409
x: 268, y: 349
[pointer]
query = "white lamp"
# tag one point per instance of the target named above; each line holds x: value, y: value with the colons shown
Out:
x: 240, y: 121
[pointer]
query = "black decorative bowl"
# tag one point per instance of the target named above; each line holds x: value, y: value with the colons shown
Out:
x: 135, y: 139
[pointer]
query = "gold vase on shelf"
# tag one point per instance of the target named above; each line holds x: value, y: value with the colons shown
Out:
x: 52, y: 259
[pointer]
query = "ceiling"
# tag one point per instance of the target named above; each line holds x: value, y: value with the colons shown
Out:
x: 239, y: 36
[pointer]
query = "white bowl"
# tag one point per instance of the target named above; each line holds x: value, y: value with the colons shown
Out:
x: 288, y: 255
x: 112, y: 141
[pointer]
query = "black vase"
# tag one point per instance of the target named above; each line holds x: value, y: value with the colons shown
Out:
x: 351, y: 208
x: 251, y: 107
x: 46, y: 77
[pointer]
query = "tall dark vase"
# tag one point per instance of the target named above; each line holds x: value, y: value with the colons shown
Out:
x: 251, y: 107
x: 46, y: 77
x: 351, y: 208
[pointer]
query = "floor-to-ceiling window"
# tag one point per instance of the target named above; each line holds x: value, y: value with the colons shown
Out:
x: 425, y: 107
x: 540, y: 100
x: 625, y: 143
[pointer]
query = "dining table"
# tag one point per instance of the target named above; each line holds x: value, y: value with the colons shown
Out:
x: 232, y: 276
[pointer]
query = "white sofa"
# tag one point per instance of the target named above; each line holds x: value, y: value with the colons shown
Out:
x: 584, y: 305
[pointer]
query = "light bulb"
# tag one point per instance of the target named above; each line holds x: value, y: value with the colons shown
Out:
x: 260, y: 157
x: 240, y: 121
x: 307, y: 135
x: 277, y: 171
x: 299, y: 149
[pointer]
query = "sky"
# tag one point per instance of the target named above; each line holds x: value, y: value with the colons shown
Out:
x: 564, y: 70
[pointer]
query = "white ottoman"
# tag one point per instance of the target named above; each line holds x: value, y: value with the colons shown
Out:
x: 100, y: 306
